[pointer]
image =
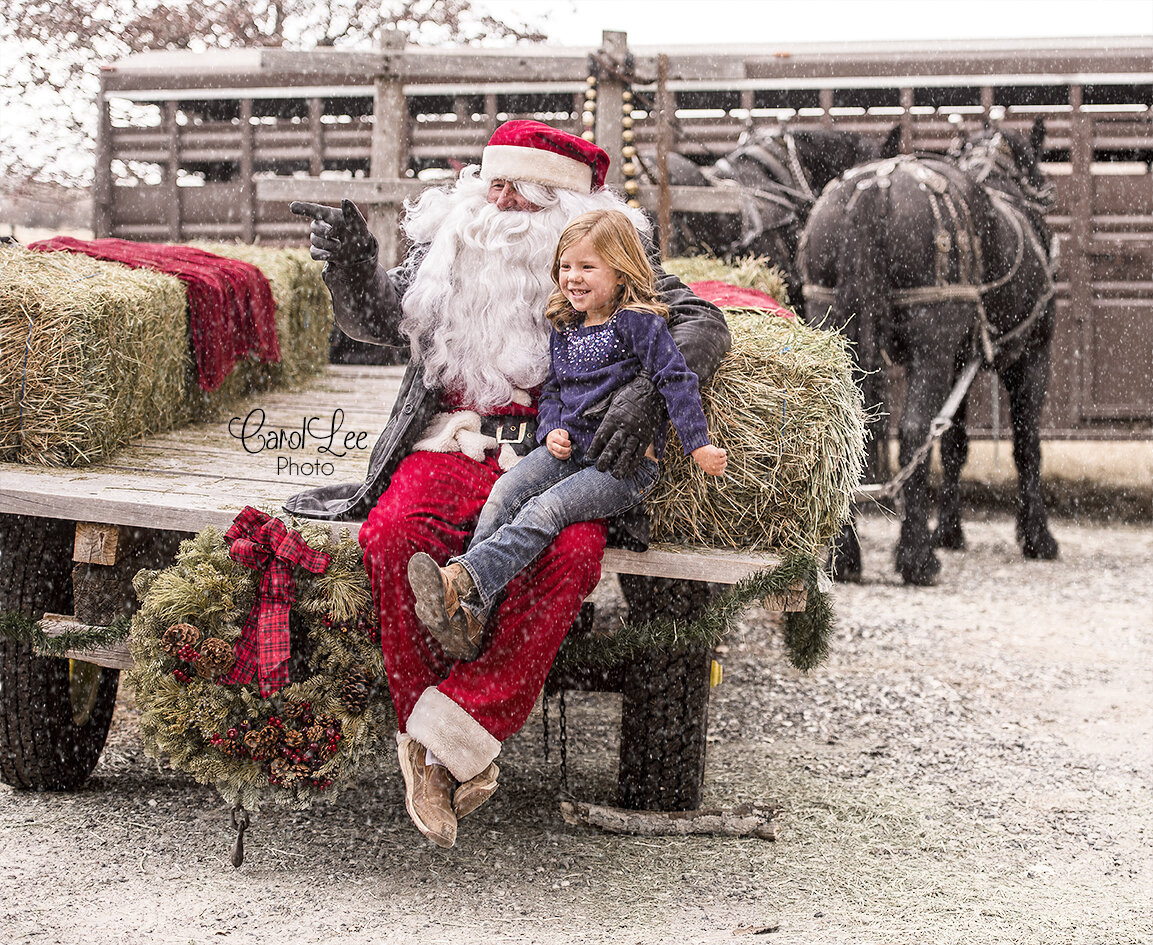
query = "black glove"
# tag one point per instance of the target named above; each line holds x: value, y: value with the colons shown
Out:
x: 338, y: 236
x: 629, y: 426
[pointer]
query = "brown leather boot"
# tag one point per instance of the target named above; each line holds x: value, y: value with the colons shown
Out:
x: 471, y: 794
x: 428, y: 791
x: 439, y: 592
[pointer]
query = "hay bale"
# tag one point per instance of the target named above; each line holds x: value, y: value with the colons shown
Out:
x: 94, y: 354
x: 751, y: 272
x: 785, y: 406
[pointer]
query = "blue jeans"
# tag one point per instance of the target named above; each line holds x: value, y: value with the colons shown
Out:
x: 534, y: 502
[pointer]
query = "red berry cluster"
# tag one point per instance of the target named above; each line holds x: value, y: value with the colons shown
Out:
x: 231, y: 742
x: 364, y: 622
x: 305, y: 748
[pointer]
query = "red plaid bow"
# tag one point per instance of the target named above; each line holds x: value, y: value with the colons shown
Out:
x: 262, y: 542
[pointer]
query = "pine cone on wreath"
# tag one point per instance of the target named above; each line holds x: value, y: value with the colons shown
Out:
x: 178, y: 636
x: 293, y: 713
x: 286, y: 770
x: 355, y: 687
x: 264, y: 743
x: 226, y: 746
x: 216, y: 658
x: 295, y: 741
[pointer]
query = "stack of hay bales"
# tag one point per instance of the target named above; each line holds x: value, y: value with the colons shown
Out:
x: 94, y: 354
x: 785, y: 406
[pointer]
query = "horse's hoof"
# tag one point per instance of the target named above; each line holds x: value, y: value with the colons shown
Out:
x: 921, y: 573
x: 948, y: 537
x: 1043, y: 547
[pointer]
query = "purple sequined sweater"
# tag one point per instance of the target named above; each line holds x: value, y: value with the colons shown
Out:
x: 588, y: 364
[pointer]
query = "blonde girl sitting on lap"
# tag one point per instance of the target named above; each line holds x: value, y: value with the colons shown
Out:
x: 608, y: 326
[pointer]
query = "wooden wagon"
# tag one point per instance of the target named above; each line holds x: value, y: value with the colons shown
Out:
x: 72, y: 539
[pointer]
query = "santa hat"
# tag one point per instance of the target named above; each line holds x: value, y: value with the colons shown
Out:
x: 532, y: 151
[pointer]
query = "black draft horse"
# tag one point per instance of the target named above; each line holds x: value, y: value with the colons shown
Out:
x: 931, y: 263
x: 779, y: 173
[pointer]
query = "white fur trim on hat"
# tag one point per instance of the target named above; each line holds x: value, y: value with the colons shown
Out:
x: 513, y: 162
x: 455, y: 737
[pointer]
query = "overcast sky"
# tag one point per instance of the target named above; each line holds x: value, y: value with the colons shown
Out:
x: 692, y: 22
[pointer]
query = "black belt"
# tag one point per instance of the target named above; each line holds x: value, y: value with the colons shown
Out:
x: 517, y: 432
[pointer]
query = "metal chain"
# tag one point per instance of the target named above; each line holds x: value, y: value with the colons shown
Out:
x: 544, y: 721
x: 563, y: 745
x: 937, y: 427
x: 240, y: 822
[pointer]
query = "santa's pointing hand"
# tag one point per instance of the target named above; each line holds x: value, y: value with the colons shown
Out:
x: 338, y: 235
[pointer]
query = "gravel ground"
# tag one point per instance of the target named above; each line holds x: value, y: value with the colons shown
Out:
x: 971, y: 765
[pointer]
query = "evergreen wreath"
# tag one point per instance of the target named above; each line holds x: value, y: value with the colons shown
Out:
x: 303, y: 741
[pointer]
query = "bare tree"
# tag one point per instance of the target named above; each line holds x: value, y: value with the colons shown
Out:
x: 51, y: 53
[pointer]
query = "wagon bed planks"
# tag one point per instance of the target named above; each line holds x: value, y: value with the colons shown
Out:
x: 184, y: 480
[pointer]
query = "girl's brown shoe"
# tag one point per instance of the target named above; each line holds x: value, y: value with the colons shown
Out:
x: 439, y: 592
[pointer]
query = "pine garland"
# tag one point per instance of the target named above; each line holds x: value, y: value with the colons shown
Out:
x: 25, y: 630
x: 806, y: 633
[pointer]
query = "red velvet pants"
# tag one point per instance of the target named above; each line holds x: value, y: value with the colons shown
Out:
x: 431, y: 505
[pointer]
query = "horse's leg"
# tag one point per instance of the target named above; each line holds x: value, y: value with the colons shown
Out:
x: 845, y: 557
x: 932, y: 336
x: 1026, y: 380
x: 954, y: 453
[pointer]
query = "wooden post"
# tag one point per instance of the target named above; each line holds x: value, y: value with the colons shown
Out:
x: 102, y: 185
x: 610, y: 101
x: 907, y: 121
x: 665, y: 112
x: 987, y: 100
x: 96, y: 543
x: 489, y: 114
x: 247, y: 166
x: 1075, y: 258
x: 388, y: 159
x: 315, y: 136
x: 172, y: 169
x: 825, y: 97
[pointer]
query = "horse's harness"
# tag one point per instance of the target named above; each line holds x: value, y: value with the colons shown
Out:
x: 788, y: 186
x: 944, y: 202
x: 968, y: 286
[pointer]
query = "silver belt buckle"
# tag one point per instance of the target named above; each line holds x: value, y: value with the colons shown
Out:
x: 521, y: 431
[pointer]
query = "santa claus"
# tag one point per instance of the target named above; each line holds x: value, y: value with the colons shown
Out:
x: 467, y: 306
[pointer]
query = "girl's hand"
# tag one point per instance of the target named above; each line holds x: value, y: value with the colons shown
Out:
x: 712, y: 459
x: 558, y: 443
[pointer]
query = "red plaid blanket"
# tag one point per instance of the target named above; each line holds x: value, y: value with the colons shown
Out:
x: 231, y: 312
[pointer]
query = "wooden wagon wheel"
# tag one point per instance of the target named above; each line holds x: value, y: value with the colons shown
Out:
x: 54, y: 713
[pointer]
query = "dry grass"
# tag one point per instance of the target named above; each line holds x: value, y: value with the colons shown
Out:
x: 94, y: 354
x: 751, y: 272
x: 91, y: 353
x: 784, y: 405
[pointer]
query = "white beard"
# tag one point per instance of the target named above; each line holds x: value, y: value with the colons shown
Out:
x: 474, y: 313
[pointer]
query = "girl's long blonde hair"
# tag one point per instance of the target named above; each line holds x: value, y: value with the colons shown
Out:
x: 615, y: 240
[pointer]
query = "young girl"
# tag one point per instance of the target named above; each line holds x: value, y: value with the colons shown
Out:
x: 608, y: 326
